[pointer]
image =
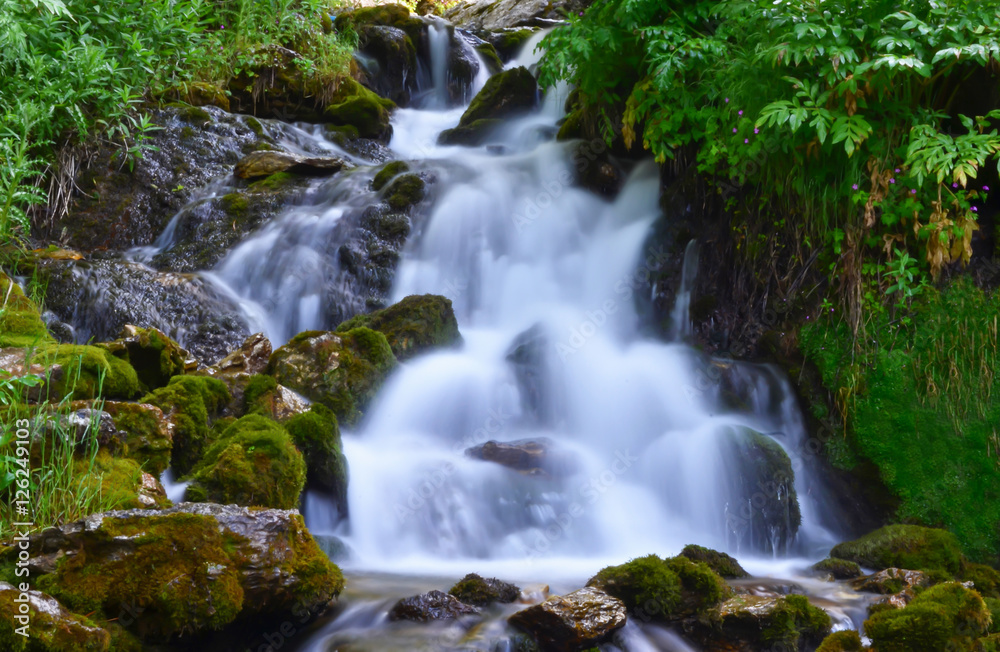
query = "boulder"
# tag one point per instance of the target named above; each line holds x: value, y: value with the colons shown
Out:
x: 748, y: 623
x: 431, y: 606
x: 389, y: 61
x: 948, y: 616
x: 316, y: 433
x: 264, y: 396
x: 572, y: 622
x: 190, y: 404
x: 252, y: 463
x: 506, y: 94
x: 847, y: 640
x: 120, y: 482
x: 154, y: 356
x: 412, y: 326
x: 724, y: 565
x: 527, y: 356
x: 839, y: 569
x: 508, y: 42
x: 355, y: 106
x: 340, y: 370
x: 46, y: 626
x: 501, y: 14
x: 532, y: 456
x: 251, y: 358
x: 475, y: 590
x: 191, y: 569
x: 892, y: 580
x: 904, y: 546
x: 21, y: 323
x: 257, y: 165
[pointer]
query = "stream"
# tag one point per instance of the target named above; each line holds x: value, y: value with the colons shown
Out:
x: 656, y: 445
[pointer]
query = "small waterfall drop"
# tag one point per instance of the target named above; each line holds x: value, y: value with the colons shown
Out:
x: 680, y: 317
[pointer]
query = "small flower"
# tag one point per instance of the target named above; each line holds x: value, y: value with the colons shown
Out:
x: 756, y: 130
x: 892, y: 181
x: 727, y: 100
x: 740, y: 112
x: 854, y: 187
x: 975, y: 209
x: 986, y: 188
x: 897, y: 170
x: 734, y: 130
x: 954, y: 185
x: 746, y: 140
x: 913, y: 192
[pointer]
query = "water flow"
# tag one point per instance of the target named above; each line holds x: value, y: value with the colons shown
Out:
x: 681, y: 315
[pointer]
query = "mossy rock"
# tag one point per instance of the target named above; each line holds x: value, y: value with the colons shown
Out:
x: 155, y: 357
x: 198, y: 94
x: 51, y: 627
x: 843, y: 641
x: 472, y: 134
x: 415, y: 324
x: 489, y: 53
x: 254, y: 463
x: 748, y: 622
x: 506, y: 94
x: 724, y: 565
x: 119, y: 482
x: 20, y: 322
x: 476, y: 590
x: 356, y: 106
x: 944, y: 617
x: 404, y: 192
x: 190, y: 402
x: 277, y: 182
x: 88, y: 372
x: 508, y: 43
x: 572, y: 126
x: 993, y: 604
x: 391, y: 14
x: 341, y: 370
x: 985, y: 578
x: 841, y: 569
x: 389, y: 172
x: 904, y: 546
x: 989, y: 643
x: 317, y: 435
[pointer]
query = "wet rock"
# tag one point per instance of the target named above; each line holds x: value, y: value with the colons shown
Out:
x: 275, y: 86
x: 317, y: 434
x: 532, y: 456
x: 463, y: 66
x: 431, y: 606
x: 840, y: 569
x: 262, y: 164
x: 389, y: 60
x: 948, y: 616
x: 190, y: 404
x: 193, y: 568
x: 101, y: 296
x: 341, y: 370
x: 198, y: 94
x: 527, y: 356
x: 508, y: 42
x: 504, y: 95
x: 572, y: 622
x: 151, y: 493
x: 723, y: 564
x: 118, y: 207
x: 904, y: 546
x: 414, y: 325
x: 748, y: 623
x: 892, y: 580
x: 356, y: 106
x: 15, y: 361
x: 154, y: 356
x: 252, y: 463
x: 500, y: 14
x: 48, y: 625
x: 251, y: 358
x: 475, y: 590
x: 843, y: 641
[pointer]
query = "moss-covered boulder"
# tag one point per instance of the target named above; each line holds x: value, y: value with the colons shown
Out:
x: 155, y: 357
x: 20, y: 322
x: 904, y: 546
x: 120, y: 482
x: 724, y: 565
x: 571, y: 622
x: 389, y: 61
x: 253, y: 463
x: 191, y: 568
x: 41, y: 624
x: 356, y: 106
x: 662, y: 589
x: 198, y: 94
x: 844, y: 641
x: 340, y: 370
x: 948, y: 616
x: 505, y: 95
x: 892, y: 580
x: 414, y: 325
x: 508, y: 42
x: 748, y: 623
x: 87, y: 372
x: 262, y: 395
x: 257, y: 165
x: 190, y: 403
x: 479, y: 591
x: 985, y: 579
x: 317, y: 434
x: 839, y: 569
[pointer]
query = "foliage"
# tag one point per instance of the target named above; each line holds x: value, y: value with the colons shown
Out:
x: 847, y: 117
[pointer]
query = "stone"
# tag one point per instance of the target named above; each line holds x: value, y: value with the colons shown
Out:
x: 532, y: 456
x: 431, y: 606
x: 904, y: 546
x: 50, y: 626
x: 475, y: 590
x: 145, y: 432
x: 839, y: 569
x: 749, y: 623
x: 414, y: 325
x: 251, y: 358
x: 723, y: 564
x: 155, y: 357
x: 506, y: 94
x: 892, y: 580
x: 262, y: 164
x: 572, y: 622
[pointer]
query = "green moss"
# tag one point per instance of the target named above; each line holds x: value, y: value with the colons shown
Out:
x: 844, y: 641
x: 254, y: 124
x: 234, y: 204
x: 361, y: 108
x: 475, y: 590
x: 392, y: 14
x: 254, y: 463
x: 388, y: 172
x: 719, y: 562
x: 404, y: 192
x: 143, y: 434
x: 841, y: 569
x: 509, y: 43
x: 490, y: 56
x: 48, y: 632
x: 505, y: 94
x: 794, y: 618
x: 474, y: 133
x: 993, y: 604
x: 189, y: 402
x: 985, y: 578
x: 413, y: 325
x: 317, y: 434
x: 904, y: 546
x: 155, y: 357
x: 646, y: 585
x: 258, y: 387
x: 177, y: 570
x: 572, y: 126
x: 274, y: 182
x: 924, y: 410
x: 20, y: 322
x: 989, y: 643
x: 944, y: 617
x: 88, y: 371
x: 118, y: 479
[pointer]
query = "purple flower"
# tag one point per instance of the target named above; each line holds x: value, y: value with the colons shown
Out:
x: 975, y: 210
x: 727, y: 100
x: 740, y: 112
x: 986, y: 188
x: 734, y: 130
x: 746, y: 140
x: 756, y: 130
x: 854, y: 187
x: 897, y: 170
x: 954, y: 185
x: 913, y: 192
x: 892, y: 181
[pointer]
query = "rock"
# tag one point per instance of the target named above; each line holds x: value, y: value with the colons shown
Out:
x: 251, y: 358
x: 198, y: 94
x: 662, y: 589
x: 463, y: 66
x: 430, y: 606
x: 505, y: 94
x: 154, y: 356
x: 532, y: 456
x: 151, y: 493
x: 412, y: 326
x: 262, y: 164
x: 389, y: 60
x: 985, y: 578
x: 192, y: 568
x: 508, y: 42
x: 252, y: 463
x: 355, y: 106
x: 904, y: 546
x: 843, y: 641
x: 748, y: 623
x: 275, y: 86
x: 571, y: 622
x: 500, y: 14
x: 340, y: 370
x: 840, y: 569
x: 263, y: 395
x: 145, y: 433
x: 892, y: 580
x: 765, y: 483
x: 189, y: 403
x: 724, y: 565
x: 120, y: 482
x: 527, y: 356
x: 50, y: 627
x: 475, y: 590
x: 21, y: 324
x: 948, y: 616
x: 489, y: 54
x: 317, y: 434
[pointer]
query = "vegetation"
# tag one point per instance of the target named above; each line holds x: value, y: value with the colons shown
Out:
x: 944, y: 617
